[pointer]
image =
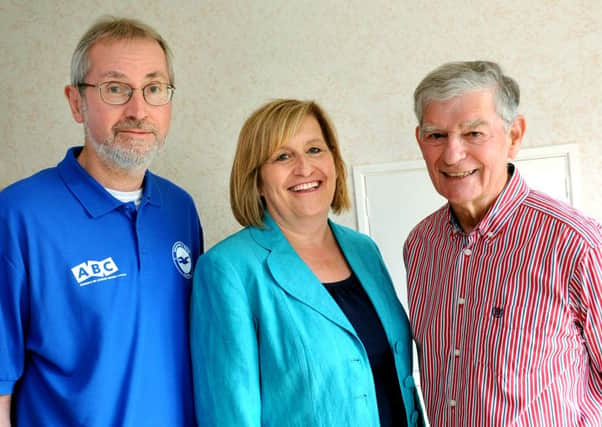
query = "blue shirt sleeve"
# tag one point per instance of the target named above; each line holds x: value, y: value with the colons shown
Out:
x: 13, y: 311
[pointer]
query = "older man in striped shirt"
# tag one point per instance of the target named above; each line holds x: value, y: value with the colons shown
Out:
x: 504, y: 282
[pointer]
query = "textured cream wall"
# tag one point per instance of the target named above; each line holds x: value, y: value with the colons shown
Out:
x: 360, y: 60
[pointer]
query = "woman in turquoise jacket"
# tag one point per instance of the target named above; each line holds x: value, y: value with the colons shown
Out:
x: 294, y: 319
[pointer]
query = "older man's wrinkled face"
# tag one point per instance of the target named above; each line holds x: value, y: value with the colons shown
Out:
x: 466, y: 147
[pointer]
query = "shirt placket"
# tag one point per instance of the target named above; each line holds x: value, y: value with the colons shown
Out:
x: 460, y: 285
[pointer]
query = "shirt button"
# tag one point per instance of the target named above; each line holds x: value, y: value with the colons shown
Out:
x: 461, y: 301
x: 490, y: 234
x: 452, y: 403
x: 456, y: 352
x: 467, y: 252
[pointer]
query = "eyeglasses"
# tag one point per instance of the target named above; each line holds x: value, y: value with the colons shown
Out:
x: 118, y: 93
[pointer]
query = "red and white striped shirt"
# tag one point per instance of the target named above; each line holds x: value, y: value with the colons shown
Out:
x: 508, y: 319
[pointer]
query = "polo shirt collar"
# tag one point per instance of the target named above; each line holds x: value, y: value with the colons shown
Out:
x: 91, y: 194
x: 504, y: 207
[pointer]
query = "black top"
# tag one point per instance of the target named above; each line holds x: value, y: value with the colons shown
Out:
x: 355, y: 303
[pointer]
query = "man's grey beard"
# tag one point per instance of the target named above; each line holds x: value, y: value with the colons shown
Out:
x: 121, y: 157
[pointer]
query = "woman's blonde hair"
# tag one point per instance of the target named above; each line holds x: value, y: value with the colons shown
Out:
x: 263, y: 133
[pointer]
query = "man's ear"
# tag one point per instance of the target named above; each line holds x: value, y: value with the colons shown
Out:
x: 515, y: 134
x: 418, y: 134
x: 74, y: 98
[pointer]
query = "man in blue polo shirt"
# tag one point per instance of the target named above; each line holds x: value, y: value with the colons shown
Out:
x: 96, y: 255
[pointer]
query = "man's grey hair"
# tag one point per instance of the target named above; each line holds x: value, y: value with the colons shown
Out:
x: 111, y: 28
x: 456, y: 78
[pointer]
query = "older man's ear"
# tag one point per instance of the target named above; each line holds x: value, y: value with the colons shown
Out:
x: 515, y: 134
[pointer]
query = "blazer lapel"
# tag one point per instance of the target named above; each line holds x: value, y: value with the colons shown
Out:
x: 294, y: 276
x: 367, y: 270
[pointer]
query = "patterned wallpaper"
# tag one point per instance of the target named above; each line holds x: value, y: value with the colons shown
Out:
x: 360, y: 60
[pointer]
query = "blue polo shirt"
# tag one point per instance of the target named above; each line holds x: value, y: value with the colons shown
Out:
x: 94, y: 298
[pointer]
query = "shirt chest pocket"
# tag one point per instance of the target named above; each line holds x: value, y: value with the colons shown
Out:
x: 505, y: 344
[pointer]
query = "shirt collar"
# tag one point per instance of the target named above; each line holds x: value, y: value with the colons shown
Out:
x: 504, y: 207
x: 91, y: 194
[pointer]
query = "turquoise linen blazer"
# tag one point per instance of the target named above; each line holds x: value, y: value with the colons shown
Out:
x: 271, y: 347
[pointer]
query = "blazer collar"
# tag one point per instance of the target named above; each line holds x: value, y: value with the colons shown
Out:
x: 294, y: 276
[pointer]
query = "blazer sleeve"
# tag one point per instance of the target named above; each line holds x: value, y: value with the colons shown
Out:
x: 223, y: 348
